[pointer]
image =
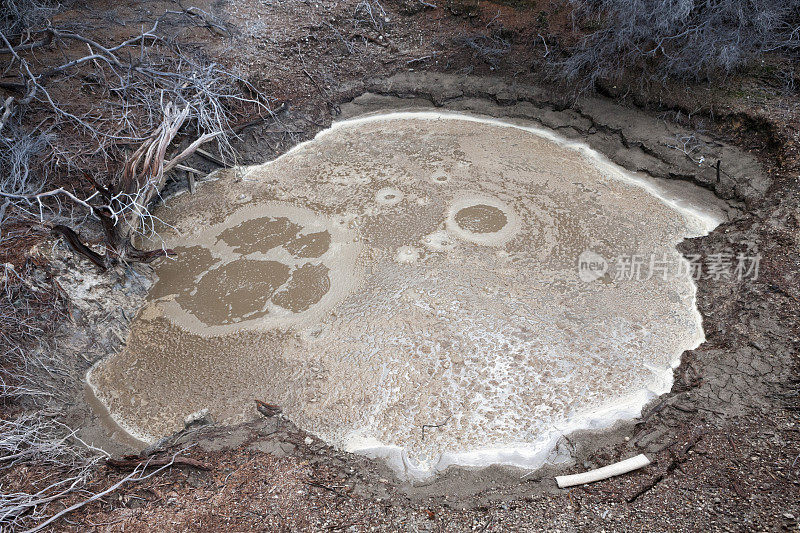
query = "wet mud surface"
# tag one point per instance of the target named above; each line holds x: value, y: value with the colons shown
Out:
x: 459, y: 301
x: 729, y: 394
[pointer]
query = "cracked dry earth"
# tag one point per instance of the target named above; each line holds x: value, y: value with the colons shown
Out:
x: 725, y: 442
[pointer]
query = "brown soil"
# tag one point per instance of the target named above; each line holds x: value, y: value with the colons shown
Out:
x: 725, y: 442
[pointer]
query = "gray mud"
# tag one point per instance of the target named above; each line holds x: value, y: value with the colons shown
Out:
x: 749, y: 343
x: 369, y: 298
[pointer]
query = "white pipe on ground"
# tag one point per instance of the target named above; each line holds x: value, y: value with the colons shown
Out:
x: 597, y: 474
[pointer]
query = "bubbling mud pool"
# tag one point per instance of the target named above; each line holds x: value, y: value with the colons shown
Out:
x: 409, y: 270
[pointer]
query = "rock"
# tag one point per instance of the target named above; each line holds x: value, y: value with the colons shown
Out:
x: 198, y: 418
x: 411, y: 7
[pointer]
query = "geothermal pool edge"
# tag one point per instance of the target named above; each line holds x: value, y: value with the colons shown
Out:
x: 367, y: 104
x: 531, y: 455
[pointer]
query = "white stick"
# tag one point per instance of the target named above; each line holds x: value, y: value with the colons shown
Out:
x: 623, y: 467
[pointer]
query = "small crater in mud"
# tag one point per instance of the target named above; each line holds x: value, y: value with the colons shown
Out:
x: 389, y: 196
x: 481, y: 218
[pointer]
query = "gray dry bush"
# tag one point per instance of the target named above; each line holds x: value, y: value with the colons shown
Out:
x: 147, y: 93
x: 89, y: 133
x: 678, y: 39
x: 31, y: 392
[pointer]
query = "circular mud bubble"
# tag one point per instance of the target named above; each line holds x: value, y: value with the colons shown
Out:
x: 438, y: 241
x: 407, y: 255
x: 482, y: 220
x: 389, y: 196
x: 440, y: 177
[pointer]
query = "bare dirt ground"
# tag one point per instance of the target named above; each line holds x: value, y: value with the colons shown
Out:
x: 725, y: 442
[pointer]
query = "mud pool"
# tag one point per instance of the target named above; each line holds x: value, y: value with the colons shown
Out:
x: 407, y: 286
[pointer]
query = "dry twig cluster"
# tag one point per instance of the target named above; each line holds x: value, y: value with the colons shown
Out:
x: 683, y: 39
x: 89, y: 134
x: 145, y: 93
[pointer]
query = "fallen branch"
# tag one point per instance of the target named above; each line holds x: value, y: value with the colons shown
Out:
x: 29, y: 46
x: 134, y: 476
x: 77, y: 246
x: 326, y: 487
x: 207, y: 19
x: 210, y: 157
x: 133, y: 462
x: 677, y: 460
x: 7, y: 110
x: 145, y: 103
x: 273, y: 114
x: 384, y: 42
x: 190, y: 170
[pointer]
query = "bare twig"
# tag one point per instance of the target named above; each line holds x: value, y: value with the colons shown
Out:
x: 135, y: 476
x: 440, y: 424
x: 149, y: 96
x: 135, y: 463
